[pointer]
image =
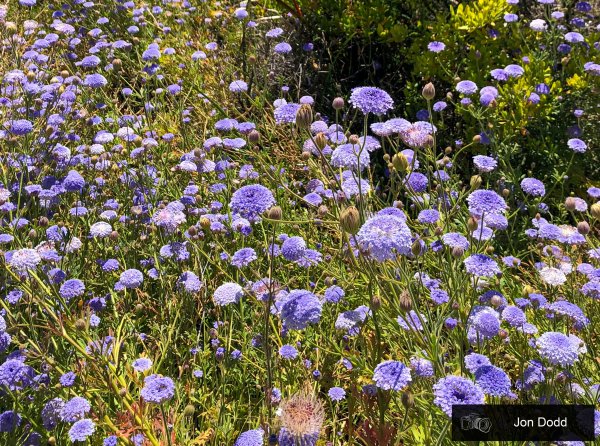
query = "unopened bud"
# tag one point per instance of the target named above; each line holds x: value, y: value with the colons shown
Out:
x: 350, y: 220
x: 375, y: 302
x: 338, y: 103
x: 570, y: 204
x: 477, y: 138
x: 189, y: 410
x: 496, y: 300
x: 304, y: 116
x: 475, y: 182
x: 595, y: 210
x: 472, y: 224
x: 408, y: 399
x: 275, y: 213
x: 400, y: 162
x: 320, y: 140
x: 527, y: 290
x: 505, y: 193
x: 322, y: 210
x: 405, y: 301
x: 353, y: 139
x: 457, y: 251
x: 254, y: 136
x: 80, y: 324
x: 416, y: 248
x: 205, y: 223
x: 428, y: 91
x: 583, y: 228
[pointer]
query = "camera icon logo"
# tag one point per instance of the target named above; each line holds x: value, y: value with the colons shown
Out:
x: 474, y: 421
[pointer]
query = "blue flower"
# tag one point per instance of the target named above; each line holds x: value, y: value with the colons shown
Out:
x: 383, y: 237
x: 300, y: 309
x: 371, y: 100
x: 453, y: 390
x: 391, y: 375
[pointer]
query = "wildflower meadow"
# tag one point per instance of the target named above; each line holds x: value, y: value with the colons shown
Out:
x: 295, y: 222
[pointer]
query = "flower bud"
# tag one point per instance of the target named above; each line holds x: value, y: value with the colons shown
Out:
x: 400, y: 162
x: 375, y: 302
x: 477, y: 138
x: 405, y: 301
x: 304, y: 116
x: 117, y: 64
x: 476, y: 181
x: 338, y: 103
x: 583, y: 228
x: 408, y: 399
x: 10, y: 27
x: 350, y: 220
x: 254, y: 136
x: 80, y: 324
x: 428, y: 91
x: 496, y: 300
x: 595, y: 210
x: 275, y: 213
x: 505, y: 193
x: 416, y: 248
x: 205, y: 223
x: 457, y: 251
x: 353, y: 139
x: 322, y: 210
x: 570, y: 204
x: 189, y: 410
x: 320, y: 140
x: 472, y: 224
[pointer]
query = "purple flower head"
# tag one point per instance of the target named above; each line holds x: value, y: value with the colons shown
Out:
x: 350, y: 156
x: 467, y: 87
x: 75, y: 409
x: 486, y: 202
x: 73, y: 182
x: 23, y: 259
x: 293, y: 248
x: 19, y: 127
x: 560, y: 349
x: 485, y: 163
x: 72, y: 288
x: 157, y: 389
x: 131, y: 278
x: 288, y: 352
x: 514, y: 316
x: 577, y: 145
x: 140, y: 365
x: 228, y: 293
x: 81, y: 430
x: 300, y: 309
x: 336, y: 394
x: 453, y: 390
x: 371, y: 100
x: 383, y: 237
x: 436, y: 47
x: 533, y: 187
x: 251, y: 200
x: 252, y: 437
x: 481, y: 265
x: 243, y: 257
x: 423, y: 368
x: 494, y: 381
x: 391, y: 375
x: 474, y: 360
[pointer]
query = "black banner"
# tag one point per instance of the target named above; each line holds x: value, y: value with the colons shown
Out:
x: 522, y: 422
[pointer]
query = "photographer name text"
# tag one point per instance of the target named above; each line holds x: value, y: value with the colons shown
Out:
x: 541, y: 422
